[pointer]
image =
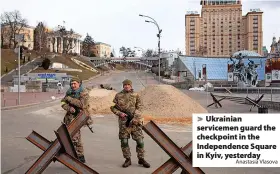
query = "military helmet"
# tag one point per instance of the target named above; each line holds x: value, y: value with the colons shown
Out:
x: 127, y: 82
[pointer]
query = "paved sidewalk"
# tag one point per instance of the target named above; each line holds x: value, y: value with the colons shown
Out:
x: 9, y: 99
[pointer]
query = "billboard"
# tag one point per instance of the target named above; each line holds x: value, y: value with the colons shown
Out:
x: 272, y: 70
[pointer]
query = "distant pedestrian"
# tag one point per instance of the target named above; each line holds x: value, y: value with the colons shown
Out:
x: 59, y: 87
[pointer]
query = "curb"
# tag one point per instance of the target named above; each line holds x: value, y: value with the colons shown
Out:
x: 28, y: 105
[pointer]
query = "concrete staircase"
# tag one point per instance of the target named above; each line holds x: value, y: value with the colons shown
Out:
x: 24, y: 69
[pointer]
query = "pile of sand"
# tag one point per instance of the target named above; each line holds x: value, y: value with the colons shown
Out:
x: 101, y: 100
x: 162, y: 103
x: 167, y: 101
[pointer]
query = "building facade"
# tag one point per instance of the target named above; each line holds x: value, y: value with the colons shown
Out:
x: 102, y: 50
x: 216, y: 68
x: 68, y: 43
x: 272, y: 69
x: 26, y: 35
x: 221, y: 30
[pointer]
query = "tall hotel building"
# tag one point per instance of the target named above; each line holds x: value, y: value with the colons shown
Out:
x: 221, y: 30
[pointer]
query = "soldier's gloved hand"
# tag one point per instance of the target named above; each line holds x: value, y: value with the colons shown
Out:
x: 67, y: 98
x: 72, y: 110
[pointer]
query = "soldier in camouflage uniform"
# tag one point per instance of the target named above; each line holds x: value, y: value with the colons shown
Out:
x: 76, y: 100
x: 129, y: 102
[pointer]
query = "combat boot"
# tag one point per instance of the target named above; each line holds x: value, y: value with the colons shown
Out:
x: 127, y: 162
x: 82, y: 159
x: 141, y: 161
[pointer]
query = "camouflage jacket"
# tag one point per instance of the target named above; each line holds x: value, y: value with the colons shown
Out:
x: 81, y: 103
x: 128, y: 102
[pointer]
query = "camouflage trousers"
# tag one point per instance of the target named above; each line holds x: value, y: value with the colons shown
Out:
x: 77, y: 138
x: 137, y: 135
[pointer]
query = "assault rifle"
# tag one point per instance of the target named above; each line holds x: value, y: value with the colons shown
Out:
x: 129, y: 115
x: 77, y: 111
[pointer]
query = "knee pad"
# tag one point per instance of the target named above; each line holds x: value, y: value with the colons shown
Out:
x: 124, y: 142
x: 140, y: 143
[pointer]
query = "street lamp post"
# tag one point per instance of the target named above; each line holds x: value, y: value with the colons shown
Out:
x: 19, y: 50
x: 158, y: 35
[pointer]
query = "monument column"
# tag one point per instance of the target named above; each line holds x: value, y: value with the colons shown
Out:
x: 61, y: 45
x: 50, y: 44
x: 55, y: 44
x: 78, y: 47
x: 73, y: 45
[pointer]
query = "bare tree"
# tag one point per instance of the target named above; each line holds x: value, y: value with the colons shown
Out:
x: 127, y: 52
x: 14, y: 23
x: 40, y: 37
x: 149, y: 53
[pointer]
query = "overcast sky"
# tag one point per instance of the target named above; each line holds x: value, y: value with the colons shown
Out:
x: 117, y: 22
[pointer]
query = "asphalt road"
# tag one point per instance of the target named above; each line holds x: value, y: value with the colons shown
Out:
x: 102, y: 149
